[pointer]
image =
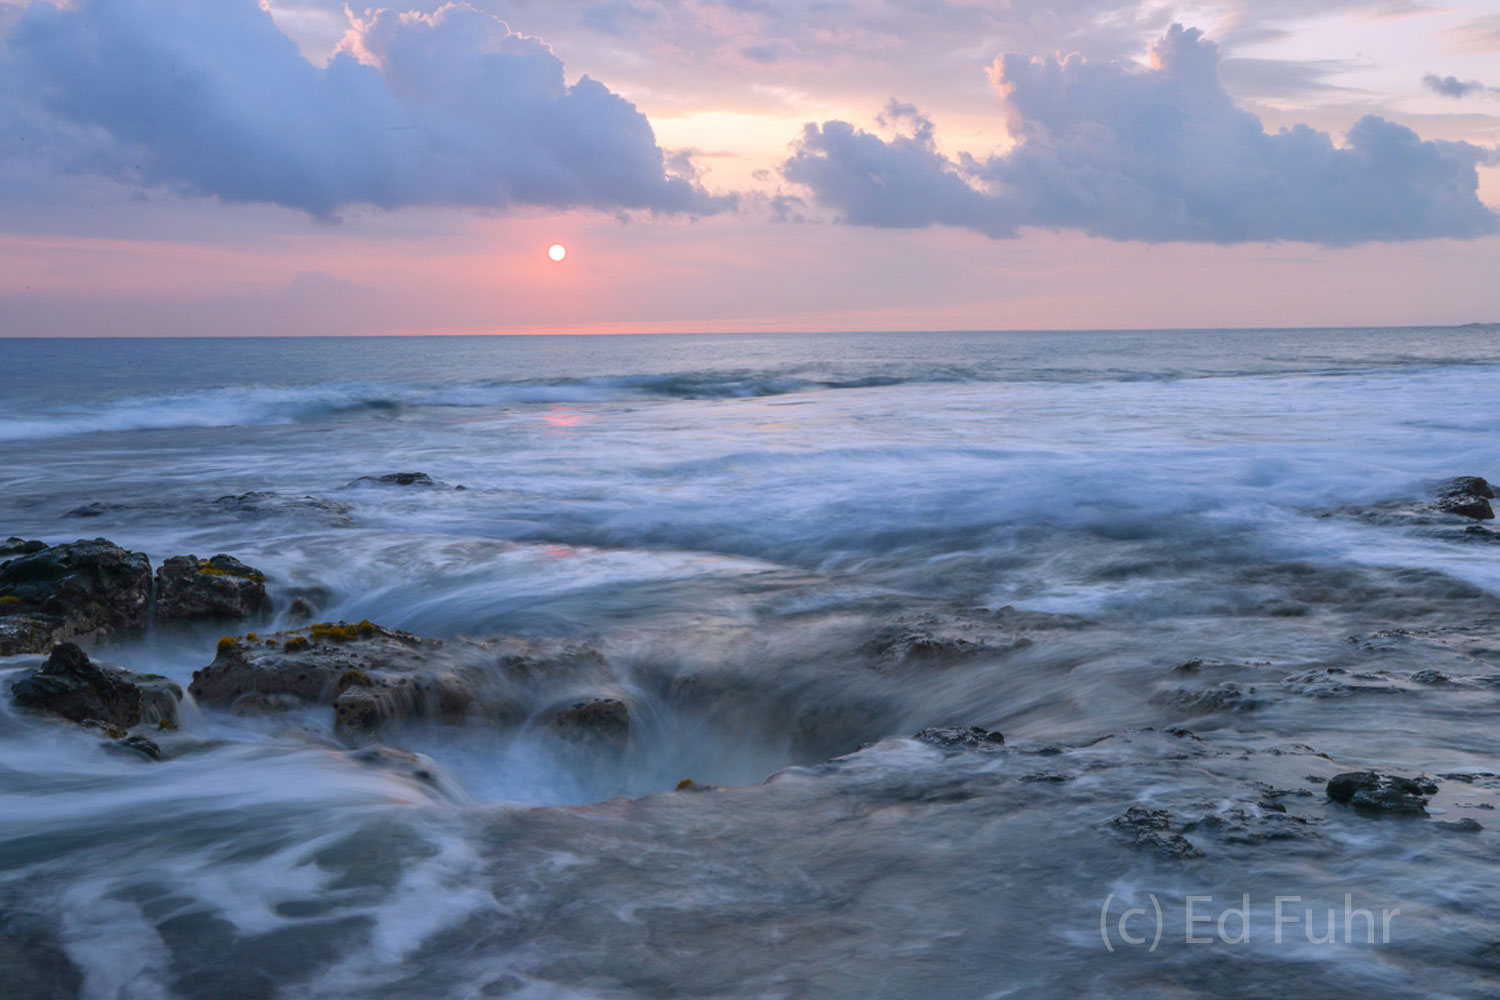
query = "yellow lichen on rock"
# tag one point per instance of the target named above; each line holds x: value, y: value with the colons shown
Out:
x: 342, y: 632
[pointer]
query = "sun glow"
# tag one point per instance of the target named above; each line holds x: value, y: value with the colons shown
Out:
x: 557, y: 251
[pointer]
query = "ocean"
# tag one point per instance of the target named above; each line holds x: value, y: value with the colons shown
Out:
x: 1189, y: 575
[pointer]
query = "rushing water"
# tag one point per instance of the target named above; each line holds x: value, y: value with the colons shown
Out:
x: 735, y: 522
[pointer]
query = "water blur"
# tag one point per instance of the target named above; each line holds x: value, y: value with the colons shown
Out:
x: 736, y: 523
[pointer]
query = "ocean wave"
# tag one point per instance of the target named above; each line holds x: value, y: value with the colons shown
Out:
x: 267, y: 405
x: 264, y: 405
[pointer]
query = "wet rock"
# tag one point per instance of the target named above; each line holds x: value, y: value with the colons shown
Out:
x: 221, y: 588
x: 1466, y: 496
x: 95, y: 509
x: 78, y: 589
x: 689, y: 785
x: 1371, y: 791
x: 1151, y: 829
x: 14, y: 546
x: 262, y: 504
x: 1464, y: 825
x: 397, y: 479
x: 375, y: 677
x: 70, y: 685
x: 137, y: 746
x: 960, y: 738
x: 1226, y: 697
x: 1256, y: 823
x: 1430, y: 677
x: 1467, y: 485
x: 596, y: 721
x: 23, y: 632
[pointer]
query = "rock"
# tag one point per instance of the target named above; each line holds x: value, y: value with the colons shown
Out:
x: 1464, y: 825
x: 193, y: 589
x: 396, y: 479
x: 78, y: 589
x: 1471, y: 485
x: 1370, y: 791
x: 375, y: 677
x: 14, y: 546
x: 137, y: 746
x: 960, y: 738
x: 95, y: 509
x: 70, y: 685
x: 1467, y: 496
x: 263, y: 504
x: 1225, y: 697
x: 1152, y: 829
x: 597, y: 722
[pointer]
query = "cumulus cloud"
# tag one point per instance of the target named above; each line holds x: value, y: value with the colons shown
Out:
x: 211, y: 98
x: 1154, y: 154
x: 1452, y: 86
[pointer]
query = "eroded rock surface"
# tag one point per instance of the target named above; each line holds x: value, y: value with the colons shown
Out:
x: 72, y: 686
x: 1373, y: 792
x: 50, y: 593
x: 376, y: 677
x: 221, y: 588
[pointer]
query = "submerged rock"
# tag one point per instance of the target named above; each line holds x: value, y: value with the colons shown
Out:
x: 72, y: 686
x: 596, y: 721
x: 960, y: 737
x: 1152, y: 829
x: 82, y: 588
x: 189, y: 589
x: 260, y: 504
x: 1371, y: 791
x: 397, y: 479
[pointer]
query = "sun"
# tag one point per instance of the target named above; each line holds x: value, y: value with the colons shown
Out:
x: 557, y: 251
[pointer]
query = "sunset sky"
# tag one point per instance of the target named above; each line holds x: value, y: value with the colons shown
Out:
x: 234, y: 167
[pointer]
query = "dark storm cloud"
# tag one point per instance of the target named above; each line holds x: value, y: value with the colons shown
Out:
x: 1158, y: 154
x: 451, y: 108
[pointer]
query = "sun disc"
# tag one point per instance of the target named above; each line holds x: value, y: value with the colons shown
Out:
x: 557, y: 251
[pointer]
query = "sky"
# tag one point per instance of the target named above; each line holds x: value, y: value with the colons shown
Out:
x: 302, y: 167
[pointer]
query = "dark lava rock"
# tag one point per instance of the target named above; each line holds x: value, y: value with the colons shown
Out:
x: 1465, y: 825
x: 376, y: 677
x: 95, y: 509
x: 1467, y: 496
x: 1225, y: 697
x: 137, y: 746
x: 261, y: 504
x: 71, y: 590
x: 221, y: 588
x: 14, y: 546
x: 597, y: 722
x: 1370, y: 791
x: 70, y: 685
x: 960, y: 737
x: 1152, y: 829
x: 397, y: 479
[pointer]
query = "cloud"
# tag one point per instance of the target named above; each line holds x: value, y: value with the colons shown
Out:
x: 1156, y: 154
x: 1452, y: 86
x: 211, y: 98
